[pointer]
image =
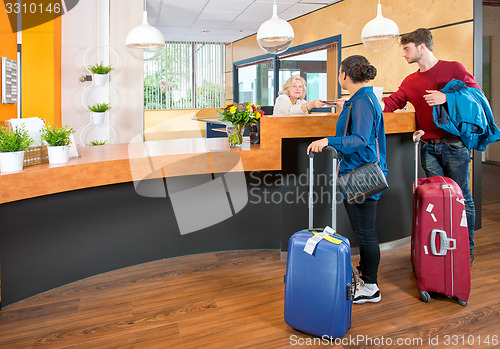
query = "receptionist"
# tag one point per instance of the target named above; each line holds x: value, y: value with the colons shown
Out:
x: 291, y: 99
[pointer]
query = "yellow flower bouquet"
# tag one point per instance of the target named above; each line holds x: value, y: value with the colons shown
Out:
x: 239, y: 115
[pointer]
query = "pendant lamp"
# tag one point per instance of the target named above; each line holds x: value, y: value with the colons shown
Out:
x: 275, y: 35
x: 380, y: 33
x: 145, y: 42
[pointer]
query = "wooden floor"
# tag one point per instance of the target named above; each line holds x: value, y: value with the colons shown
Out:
x: 235, y: 300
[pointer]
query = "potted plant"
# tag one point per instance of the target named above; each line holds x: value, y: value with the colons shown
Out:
x: 237, y: 116
x: 13, y: 144
x: 99, y: 112
x: 100, y: 73
x: 58, y: 140
x: 96, y: 143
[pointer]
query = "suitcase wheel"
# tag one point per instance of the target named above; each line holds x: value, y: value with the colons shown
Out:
x: 462, y: 302
x: 424, y: 296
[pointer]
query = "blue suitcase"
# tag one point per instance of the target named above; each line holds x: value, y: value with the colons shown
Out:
x: 319, y: 280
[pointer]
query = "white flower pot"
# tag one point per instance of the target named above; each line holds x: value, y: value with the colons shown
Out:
x: 11, y: 162
x: 98, y: 118
x: 58, y: 155
x: 100, y: 79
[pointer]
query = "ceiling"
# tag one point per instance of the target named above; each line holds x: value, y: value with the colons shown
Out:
x: 221, y: 20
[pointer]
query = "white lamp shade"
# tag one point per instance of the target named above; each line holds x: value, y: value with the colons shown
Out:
x: 275, y: 35
x: 145, y: 41
x: 380, y: 33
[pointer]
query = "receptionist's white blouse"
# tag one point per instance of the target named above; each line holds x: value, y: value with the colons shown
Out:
x: 285, y: 106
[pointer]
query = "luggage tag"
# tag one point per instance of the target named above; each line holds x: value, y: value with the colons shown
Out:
x: 313, y: 241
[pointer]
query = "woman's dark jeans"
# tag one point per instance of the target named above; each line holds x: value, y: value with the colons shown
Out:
x: 362, y: 217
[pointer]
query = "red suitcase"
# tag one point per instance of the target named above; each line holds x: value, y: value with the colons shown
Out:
x: 440, y: 238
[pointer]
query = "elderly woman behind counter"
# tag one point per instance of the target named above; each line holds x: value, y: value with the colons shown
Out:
x: 291, y: 99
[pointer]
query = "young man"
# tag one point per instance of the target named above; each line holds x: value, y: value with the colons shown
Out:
x: 442, y: 153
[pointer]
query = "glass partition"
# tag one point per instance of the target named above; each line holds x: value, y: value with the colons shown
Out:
x: 259, y: 79
x: 310, y: 66
x: 256, y: 83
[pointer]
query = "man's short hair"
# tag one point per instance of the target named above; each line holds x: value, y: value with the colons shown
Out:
x: 419, y: 36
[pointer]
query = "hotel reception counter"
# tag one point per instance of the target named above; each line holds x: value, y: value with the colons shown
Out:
x: 124, y: 204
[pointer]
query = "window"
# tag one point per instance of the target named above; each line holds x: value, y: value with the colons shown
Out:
x: 259, y: 79
x: 186, y: 75
x: 256, y: 83
x: 312, y: 67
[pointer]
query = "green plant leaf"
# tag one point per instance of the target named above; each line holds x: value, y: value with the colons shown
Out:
x: 14, y: 140
x: 96, y: 142
x: 100, y: 68
x: 57, y: 136
x: 99, y: 107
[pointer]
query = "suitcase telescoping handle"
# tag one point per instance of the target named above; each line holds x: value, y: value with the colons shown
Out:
x: 416, y: 138
x: 333, y: 154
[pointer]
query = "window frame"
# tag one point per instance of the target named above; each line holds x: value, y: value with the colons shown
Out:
x: 295, y: 50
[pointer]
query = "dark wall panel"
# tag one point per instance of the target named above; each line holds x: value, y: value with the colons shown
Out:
x: 57, y: 239
x: 394, y: 214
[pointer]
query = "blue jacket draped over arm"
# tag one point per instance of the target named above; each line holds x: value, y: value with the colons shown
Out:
x: 467, y: 114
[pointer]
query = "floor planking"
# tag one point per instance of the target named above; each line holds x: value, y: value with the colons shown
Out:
x: 234, y: 299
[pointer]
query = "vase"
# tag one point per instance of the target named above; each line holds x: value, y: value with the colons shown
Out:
x: 254, y: 134
x: 235, y: 135
x: 11, y: 162
x: 98, y: 118
x: 100, y: 79
x: 58, y: 154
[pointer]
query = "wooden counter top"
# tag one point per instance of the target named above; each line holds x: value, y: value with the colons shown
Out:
x: 322, y: 125
x: 119, y: 163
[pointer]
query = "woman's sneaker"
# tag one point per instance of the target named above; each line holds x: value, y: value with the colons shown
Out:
x: 367, y: 293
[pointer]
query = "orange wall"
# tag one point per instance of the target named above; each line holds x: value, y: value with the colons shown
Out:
x: 8, y: 48
x: 41, y: 72
x: 40, y: 67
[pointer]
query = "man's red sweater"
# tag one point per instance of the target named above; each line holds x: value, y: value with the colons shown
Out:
x: 414, y: 86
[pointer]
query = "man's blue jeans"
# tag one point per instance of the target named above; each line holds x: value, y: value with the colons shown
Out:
x: 452, y: 160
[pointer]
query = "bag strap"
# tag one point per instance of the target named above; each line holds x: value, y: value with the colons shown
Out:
x: 341, y: 156
x: 375, y: 122
x: 347, y: 120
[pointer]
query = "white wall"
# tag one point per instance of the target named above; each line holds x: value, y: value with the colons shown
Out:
x: 128, y: 82
x: 74, y: 43
x: 86, y: 33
